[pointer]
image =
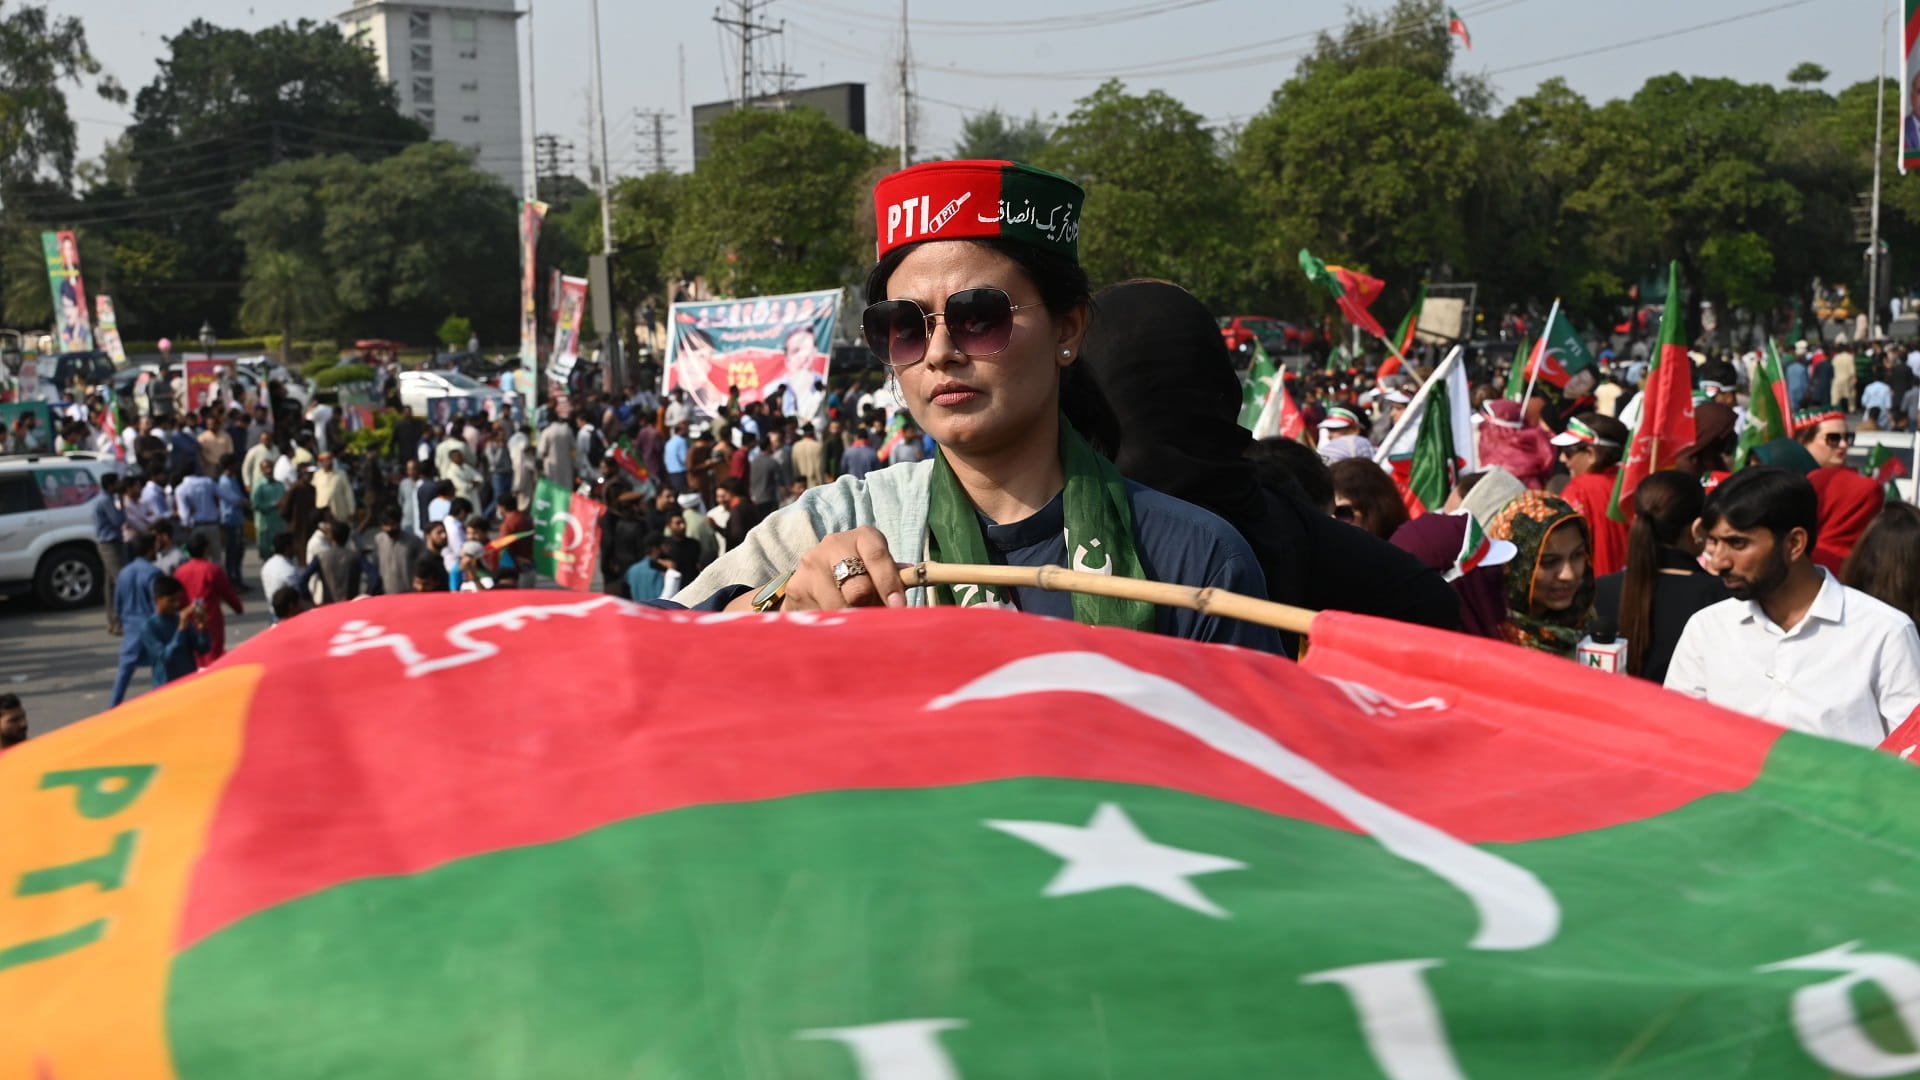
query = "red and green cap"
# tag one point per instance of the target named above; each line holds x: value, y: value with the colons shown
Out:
x: 971, y: 200
x: 1814, y: 416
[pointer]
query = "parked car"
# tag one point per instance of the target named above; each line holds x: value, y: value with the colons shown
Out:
x: 46, y: 527
x: 1277, y: 335
x: 419, y: 387
x: 57, y: 373
x: 249, y: 376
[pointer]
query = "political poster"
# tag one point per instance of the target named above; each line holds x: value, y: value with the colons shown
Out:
x: 764, y: 346
x: 1910, y: 90
x: 532, y: 212
x: 108, y: 329
x: 356, y: 408
x: 204, y: 382
x: 72, y: 332
x: 566, y: 330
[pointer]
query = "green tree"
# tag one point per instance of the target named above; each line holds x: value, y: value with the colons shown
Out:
x: 284, y: 293
x: 644, y: 209
x: 227, y: 103
x: 455, y: 331
x: 780, y: 204
x: 995, y: 136
x: 40, y: 55
x: 1807, y: 73
x: 1161, y: 201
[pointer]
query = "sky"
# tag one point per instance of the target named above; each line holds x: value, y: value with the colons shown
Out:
x: 1223, y: 58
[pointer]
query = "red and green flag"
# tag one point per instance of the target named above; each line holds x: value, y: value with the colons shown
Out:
x: 1403, y: 338
x: 1280, y: 416
x: 1457, y: 26
x: 623, y: 456
x: 1666, y: 419
x: 1431, y: 452
x: 1028, y: 848
x: 1560, y: 354
x: 1430, y: 475
x: 1768, y: 415
x: 1883, y: 466
x: 1354, y: 291
x: 566, y: 540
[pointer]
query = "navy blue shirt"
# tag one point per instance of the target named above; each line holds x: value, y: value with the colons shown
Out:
x: 1176, y: 541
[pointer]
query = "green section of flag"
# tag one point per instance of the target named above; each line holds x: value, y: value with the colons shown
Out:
x: 1253, y: 393
x: 1767, y: 418
x: 1431, y: 472
x: 1403, y: 337
x: 1316, y: 270
x: 1517, y: 374
x: 552, y: 508
x: 1565, y: 345
x: 705, y: 942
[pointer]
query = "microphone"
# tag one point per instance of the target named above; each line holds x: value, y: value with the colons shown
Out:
x: 1602, y: 649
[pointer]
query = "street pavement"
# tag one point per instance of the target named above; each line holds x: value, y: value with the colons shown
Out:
x: 62, y: 664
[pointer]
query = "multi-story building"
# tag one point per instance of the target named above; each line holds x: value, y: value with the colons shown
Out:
x: 456, y: 67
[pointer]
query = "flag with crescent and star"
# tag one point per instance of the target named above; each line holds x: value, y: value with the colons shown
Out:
x: 536, y: 834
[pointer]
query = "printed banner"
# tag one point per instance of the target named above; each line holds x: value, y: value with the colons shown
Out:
x: 108, y: 330
x: 356, y: 408
x: 764, y: 346
x: 532, y: 212
x: 72, y: 332
x: 566, y: 545
x: 1032, y: 845
x: 553, y: 301
x: 206, y: 381
x: 566, y: 331
x: 1910, y: 90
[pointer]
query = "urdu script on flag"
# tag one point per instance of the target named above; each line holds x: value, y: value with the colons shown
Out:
x: 418, y: 837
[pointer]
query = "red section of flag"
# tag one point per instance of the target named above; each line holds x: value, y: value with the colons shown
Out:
x: 1890, y: 470
x: 1390, y: 366
x: 1666, y: 421
x: 466, y: 723
x: 1904, y: 743
x: 1293, y: 422
x: 1358, y: 292
x: 626, y: 463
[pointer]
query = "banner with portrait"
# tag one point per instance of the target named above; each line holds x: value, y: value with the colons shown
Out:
x: 72, y: 332
x: 205, y: 381
x: 765, y: 346
x: 532, y: 212
x: 108, y: 329
x: 566, y: 330
x: 1910, y: 89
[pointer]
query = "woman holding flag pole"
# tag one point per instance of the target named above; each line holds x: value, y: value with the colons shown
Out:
x: 979, y: 307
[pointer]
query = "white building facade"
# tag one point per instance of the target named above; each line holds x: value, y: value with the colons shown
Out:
x: 456, y: 68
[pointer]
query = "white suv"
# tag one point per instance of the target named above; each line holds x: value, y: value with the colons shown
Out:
x: 46, y: 527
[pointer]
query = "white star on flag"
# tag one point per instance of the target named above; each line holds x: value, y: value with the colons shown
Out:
x: 1110, y: 852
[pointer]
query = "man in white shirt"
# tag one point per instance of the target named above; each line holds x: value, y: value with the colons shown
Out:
x: 1793, y: 647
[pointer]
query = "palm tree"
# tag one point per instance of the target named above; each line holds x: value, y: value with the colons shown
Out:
x: 284, y: 292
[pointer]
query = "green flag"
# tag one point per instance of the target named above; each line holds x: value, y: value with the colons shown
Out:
x: 1430, y: 476
x: 1768, y: 417
x: 551, y: 504
x: 1517, y: 374
x: 1253, y: 394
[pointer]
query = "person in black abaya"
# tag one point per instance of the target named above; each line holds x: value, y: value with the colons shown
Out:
x: 1157, y: 354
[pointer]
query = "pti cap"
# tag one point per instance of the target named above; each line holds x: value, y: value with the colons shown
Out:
x: 1814, y: 416
x: 1338, y: 417
x: 1579, y: 434
x: 971, y: 200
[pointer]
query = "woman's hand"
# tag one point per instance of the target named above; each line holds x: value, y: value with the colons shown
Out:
x: 812, y: 587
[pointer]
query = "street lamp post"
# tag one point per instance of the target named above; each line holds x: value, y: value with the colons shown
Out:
x: 207, y: 340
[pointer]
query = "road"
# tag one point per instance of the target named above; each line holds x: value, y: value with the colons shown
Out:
x: 62, y: 663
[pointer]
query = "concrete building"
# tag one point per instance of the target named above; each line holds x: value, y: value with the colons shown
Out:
x: 456, y: 67
x: 844, y: 103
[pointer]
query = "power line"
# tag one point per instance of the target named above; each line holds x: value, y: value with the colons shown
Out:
x: 744, y: 26
x: 653, y: 131
x: 1662, y: 36
x: 952, y: 27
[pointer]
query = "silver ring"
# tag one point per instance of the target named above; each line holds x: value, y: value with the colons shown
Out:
x: 847, y: 569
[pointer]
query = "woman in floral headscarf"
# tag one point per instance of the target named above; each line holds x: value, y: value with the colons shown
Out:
x: 1550, y: 581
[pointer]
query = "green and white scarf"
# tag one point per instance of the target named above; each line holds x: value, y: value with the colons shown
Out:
x: 1099, y: 533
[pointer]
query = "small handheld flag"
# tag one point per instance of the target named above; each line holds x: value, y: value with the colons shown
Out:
x: 1354, y: 291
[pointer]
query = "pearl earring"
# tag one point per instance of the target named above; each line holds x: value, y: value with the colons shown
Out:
x: 1066, y: 354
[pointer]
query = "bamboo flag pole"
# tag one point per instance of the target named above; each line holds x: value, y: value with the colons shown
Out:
x: 1207, y: 601
x: 1542, y: 348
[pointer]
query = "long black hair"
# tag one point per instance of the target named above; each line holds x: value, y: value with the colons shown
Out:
x: 1063, y: 286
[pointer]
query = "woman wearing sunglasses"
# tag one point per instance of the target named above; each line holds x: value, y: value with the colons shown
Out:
x: 978, y: 306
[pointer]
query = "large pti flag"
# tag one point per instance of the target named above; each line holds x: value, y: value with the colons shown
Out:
x: 71, y: 329
x: 1909, y: 88
x: 1031, y: 849
x: 754, y: 344
x: 108, y: 329
x: 566, y: 535
x: 532, y: 212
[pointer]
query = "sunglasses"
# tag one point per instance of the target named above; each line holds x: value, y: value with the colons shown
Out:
x: 1345, y: 512
x: 1839, y: 438
x: 980, y: 322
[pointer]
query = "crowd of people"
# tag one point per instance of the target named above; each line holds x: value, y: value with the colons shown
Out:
x: 1027, y: 420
